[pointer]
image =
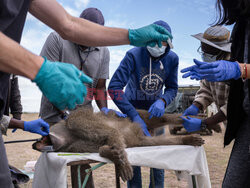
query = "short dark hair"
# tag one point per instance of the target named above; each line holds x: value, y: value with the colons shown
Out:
x: 230, y: 11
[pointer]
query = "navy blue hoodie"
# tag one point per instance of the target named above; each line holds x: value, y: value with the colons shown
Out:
x: 144, y: 82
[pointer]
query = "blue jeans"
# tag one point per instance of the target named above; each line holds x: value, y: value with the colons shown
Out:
x: 136, y: 181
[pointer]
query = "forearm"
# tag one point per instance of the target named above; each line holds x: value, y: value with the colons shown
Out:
x: 217, y: 118
x: 17, y: 60
x: 75, y: 29
x: 16, y: 124
x: 101, y: 98
x: 90, y: 34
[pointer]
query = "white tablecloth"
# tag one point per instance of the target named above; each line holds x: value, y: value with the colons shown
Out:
x: 51, y: 169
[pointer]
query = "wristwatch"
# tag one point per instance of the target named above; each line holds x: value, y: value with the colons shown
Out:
x: 203, y: 125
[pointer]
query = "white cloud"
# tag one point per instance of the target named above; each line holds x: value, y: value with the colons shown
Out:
x: 119, y: 20
x: 202, y: 6
x: 186, y: 60
x: 34, y: 39
x: 73, y: 11
x: 185, y: 81
x: 116, y: 56
x: 85, y: 3
x: 30, y: 17
x: 81, y: 3
x: 30, y: 95
x: 116, y: 23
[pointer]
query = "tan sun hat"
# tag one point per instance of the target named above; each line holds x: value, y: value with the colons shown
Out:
x: 217, y: 37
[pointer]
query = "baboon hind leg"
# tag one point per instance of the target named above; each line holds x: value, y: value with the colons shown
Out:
x: 193, y: 140
x: 119, y: 157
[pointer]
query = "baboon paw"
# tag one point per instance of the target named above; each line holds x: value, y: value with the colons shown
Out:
x: 113, y: 153
x: 193, y: 140
x: 125, y: 172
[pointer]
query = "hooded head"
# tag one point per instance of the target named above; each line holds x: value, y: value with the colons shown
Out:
x: 93, y: 15
x: 163, y: 24
x: 157, y: 51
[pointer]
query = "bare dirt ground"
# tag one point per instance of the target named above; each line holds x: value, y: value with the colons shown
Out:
x: 217, y: 156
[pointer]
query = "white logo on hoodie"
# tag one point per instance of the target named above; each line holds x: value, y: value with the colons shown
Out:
x: 151, y: 86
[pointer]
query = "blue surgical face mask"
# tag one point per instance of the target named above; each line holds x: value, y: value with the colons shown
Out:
x: 156, y: 51
x: 208, y: 57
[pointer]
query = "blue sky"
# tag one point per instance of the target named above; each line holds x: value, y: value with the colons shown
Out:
x: 185, y: 17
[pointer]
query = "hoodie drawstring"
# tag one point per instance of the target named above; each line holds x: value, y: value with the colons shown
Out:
x: 150, y: 69
x: 161, y: 65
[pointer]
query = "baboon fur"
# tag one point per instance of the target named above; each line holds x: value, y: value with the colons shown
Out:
x: 85, y: 131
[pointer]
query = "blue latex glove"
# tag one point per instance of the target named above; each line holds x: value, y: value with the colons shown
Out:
x: 149, y: 35
x: 37, y: 126
x: 143, y: 125
x: 191, y: 110
x: 62, y: 84
x: 157, y: 109
x: 193, y: 71
x: 191, y: 124
x: 220, y: 71
x: 105, y: 110
x: 215, y: 71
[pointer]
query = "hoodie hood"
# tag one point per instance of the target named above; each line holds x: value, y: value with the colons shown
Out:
x: 167, y: 27
x: 163, y: 24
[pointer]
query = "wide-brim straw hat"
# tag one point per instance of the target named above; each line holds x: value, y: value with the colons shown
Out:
x: 217, y: 37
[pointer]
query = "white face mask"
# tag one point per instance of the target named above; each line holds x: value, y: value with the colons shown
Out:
x: 156, y: 51
x: 208, y: 57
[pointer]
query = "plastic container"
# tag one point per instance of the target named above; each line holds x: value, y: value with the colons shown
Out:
x: 30, y: 166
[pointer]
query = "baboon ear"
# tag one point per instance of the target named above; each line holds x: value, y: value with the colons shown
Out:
x: 57, y: 141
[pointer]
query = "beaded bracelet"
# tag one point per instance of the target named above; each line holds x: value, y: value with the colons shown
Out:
x: 245, y: 72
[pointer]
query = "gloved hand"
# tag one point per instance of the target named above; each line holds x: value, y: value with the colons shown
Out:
x: 37, y: 126
x: 143, y: 125
x: 149, y: 35
x: 62, y: 84
x: 191, y: 110
x: 220, y: 71
x: 105, y: 110
x: 193, y: 71
x: 191, y: 124
x: 215, y: 71
x: 157, y: 109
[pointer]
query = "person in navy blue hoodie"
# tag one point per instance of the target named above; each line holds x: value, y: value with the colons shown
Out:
x: 144, y: 71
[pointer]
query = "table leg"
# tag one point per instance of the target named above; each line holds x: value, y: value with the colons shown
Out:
x: 194, y: 181
x: 117, y: 178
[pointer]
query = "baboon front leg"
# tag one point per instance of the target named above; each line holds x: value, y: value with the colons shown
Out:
x: 194, y: 140
x: 119, y: 157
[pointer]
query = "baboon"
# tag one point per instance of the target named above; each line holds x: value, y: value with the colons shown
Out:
x: 85, y: 131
